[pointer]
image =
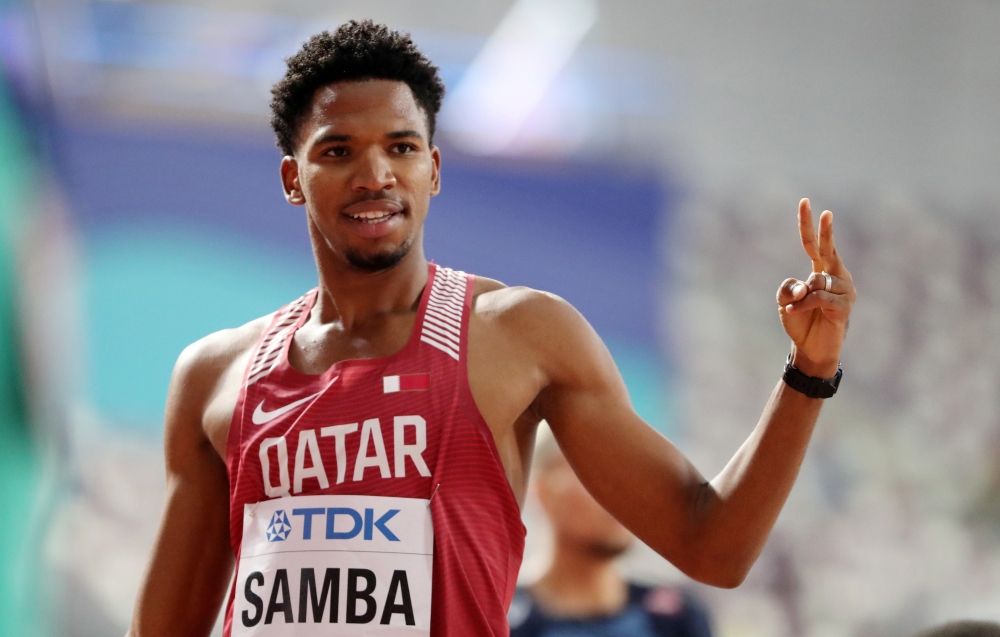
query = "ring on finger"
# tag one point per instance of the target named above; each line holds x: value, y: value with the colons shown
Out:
x: 829, y: 281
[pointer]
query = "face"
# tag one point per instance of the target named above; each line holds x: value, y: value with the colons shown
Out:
x: 365, y: 171
x: 578, y: 521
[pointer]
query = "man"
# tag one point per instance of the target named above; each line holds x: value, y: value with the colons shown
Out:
x: 364, y: 450
x: 582, y: 593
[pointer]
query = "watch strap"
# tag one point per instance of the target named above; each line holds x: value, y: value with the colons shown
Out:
x: 811, y: 386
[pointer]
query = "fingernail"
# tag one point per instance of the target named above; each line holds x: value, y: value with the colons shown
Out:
x: 797, y: 288
x: 789, y: 307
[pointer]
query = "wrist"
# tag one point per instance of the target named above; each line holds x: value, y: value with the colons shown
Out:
x: 809, y: 367
x: 812, y: 386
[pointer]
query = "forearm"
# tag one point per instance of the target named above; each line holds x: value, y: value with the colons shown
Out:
x: 735, y: 511
x: 190, y: 565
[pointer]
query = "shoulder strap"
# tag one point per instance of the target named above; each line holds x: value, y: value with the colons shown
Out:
x: 443, y: 319
x: 272, y: 342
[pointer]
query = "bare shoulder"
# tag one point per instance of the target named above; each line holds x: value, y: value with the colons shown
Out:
x: 523, y: 307
x: 205, y: 385
x: 208, y: 358
x: 536, y: 321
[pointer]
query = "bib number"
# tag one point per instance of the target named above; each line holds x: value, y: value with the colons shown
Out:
x: 362, y: 564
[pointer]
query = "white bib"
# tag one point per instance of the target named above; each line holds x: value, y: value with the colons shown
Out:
x: 360, y: 565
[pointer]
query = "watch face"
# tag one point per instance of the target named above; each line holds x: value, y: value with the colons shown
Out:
x: 835, y: 381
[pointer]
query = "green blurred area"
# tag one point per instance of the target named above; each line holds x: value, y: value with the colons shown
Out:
x: 19, y: 612
x: 179, y: 285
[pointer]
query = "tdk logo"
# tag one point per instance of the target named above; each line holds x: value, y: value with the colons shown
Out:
x: 279, y: 528
x: 342, y: 523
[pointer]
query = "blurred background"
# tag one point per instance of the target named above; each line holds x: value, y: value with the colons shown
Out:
x: 641, y: 159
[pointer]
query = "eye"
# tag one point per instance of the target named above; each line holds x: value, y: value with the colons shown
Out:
x: 404, y: 148
x: 338, y: 151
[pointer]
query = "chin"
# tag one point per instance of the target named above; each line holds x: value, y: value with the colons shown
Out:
x: 379, y: 260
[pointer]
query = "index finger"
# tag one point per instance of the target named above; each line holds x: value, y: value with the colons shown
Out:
x: 807, y: 233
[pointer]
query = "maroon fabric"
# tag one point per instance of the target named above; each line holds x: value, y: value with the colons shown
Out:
x: 478, y: 534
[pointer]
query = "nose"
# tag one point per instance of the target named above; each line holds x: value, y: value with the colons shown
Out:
x: 374, y: 172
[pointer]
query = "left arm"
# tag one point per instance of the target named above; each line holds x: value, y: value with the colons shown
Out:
x: 711, y: 530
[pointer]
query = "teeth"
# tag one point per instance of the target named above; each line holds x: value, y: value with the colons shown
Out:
x: 372, y: 217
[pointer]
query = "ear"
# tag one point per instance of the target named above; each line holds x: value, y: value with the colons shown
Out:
x: 290, y: 181
x: 436, y: 172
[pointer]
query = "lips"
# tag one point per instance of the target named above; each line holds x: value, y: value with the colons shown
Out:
x: 372, y: 217
x: 375, y: 218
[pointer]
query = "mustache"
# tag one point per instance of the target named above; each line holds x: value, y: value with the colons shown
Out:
x: 378, y: 195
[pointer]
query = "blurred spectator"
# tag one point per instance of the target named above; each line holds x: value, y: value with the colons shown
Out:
x: 582, y: 593
x: 964, y: 629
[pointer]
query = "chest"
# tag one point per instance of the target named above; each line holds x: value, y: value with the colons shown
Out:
x: 371, y: 426
x: 496, y: 380
x: 316, y: 348
x: 501, y: 390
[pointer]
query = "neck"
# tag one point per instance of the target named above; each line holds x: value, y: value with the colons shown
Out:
x: 349, y: 295
x: 581, y: 583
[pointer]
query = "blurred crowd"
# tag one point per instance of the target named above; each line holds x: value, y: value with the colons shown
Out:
x: 894, y: 523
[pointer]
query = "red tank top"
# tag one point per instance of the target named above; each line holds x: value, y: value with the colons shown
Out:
x: 403, y: 426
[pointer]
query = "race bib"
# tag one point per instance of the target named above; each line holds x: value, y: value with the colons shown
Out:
x: 361, y: 564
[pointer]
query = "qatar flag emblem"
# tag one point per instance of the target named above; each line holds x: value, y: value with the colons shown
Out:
x: 406, y: 382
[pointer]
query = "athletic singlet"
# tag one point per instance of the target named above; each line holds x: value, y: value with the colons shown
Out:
x: 370, y: 499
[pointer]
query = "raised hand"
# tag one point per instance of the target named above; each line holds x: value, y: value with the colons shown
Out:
x: 815, y: 312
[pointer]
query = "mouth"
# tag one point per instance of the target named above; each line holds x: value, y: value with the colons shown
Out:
x: 373, y: 218
x: 374, y: 212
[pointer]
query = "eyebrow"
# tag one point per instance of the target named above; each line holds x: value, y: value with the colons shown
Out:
x: 333, y: 138
x: 399, y: 134
x: 402, y: 134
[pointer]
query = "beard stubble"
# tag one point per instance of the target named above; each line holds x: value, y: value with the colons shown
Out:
x: 379, y: 261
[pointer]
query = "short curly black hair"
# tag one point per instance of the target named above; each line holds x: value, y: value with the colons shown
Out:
x: 355, y: 51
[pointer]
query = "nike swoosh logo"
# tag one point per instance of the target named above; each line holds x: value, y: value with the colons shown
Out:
x: 261, y: 417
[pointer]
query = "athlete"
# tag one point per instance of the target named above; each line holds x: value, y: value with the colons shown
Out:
x: 361, y: 454
x: 582, y: 593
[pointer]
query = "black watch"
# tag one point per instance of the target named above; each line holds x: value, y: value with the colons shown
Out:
x: 810, y: 385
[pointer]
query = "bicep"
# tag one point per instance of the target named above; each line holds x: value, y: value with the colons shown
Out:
x: 638, y: 475
x: 191, y: 559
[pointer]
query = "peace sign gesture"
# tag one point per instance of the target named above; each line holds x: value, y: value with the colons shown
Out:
x: 815, y: 312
